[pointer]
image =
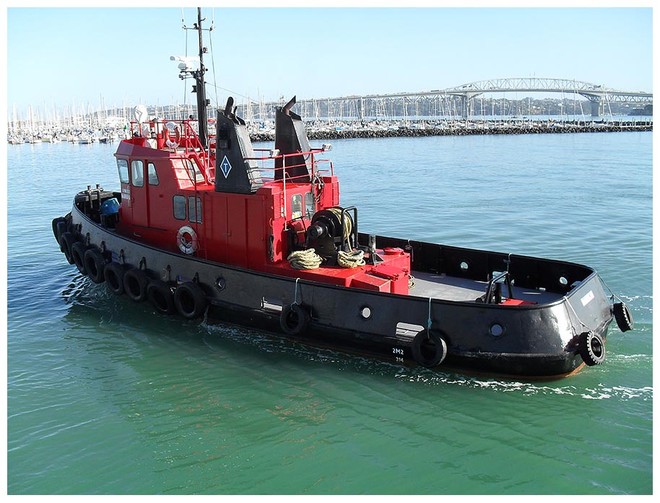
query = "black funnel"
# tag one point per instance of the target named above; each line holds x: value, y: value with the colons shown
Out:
x: 236, y: 169
x: 290, y: 138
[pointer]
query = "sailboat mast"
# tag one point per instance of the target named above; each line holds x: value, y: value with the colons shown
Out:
x: 200, y: 87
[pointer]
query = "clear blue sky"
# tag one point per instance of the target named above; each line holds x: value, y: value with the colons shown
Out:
x: 65, y: 56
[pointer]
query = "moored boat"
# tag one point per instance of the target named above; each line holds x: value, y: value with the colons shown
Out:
x: 203, y: 224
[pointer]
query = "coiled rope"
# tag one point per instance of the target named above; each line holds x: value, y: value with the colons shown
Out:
x: 347, y: 221
x: 305, y: 259
x: 354, y: 258
x: 309, y: 259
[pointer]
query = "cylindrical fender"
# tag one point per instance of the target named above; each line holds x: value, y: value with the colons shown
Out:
x: 94, y: 265
x: 114, y: 277
x: 160, y: 295
x: 429, y: 348
x: 136, y: 282
x: 190, y: 300
x: 592, y: 348
x: 294, y: 319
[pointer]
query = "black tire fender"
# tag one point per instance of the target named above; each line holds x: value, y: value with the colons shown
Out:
x: 136, y: 282
x: 294, y: 319
x: 114, y: 277
x: 78, y: 250
x: 160, y: 295
x: 429, y: 348
x: 623, y: 316
x: 66, y: 244
x: 592, y: 348
x: 94, y: 264
x: 57, y: 228
x: 190, y: 300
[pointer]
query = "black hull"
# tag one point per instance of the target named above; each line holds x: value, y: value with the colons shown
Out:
x: 541, y: 340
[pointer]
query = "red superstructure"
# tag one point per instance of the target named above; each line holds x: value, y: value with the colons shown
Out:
x: 249, y: 208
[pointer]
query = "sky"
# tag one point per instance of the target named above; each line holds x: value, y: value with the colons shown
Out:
x: 77, y: 58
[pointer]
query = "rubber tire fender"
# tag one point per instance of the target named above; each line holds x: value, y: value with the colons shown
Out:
x: 66, y: 244
x: 623, y: 316
x: 136, y: 282
x: 429, y: 348
x: 592, y: 348
x: 78, y: 250
x: 94, y: 264
x: 160, y: 295
x: 114, y: 277
x: 56, y: 227
x: 294, y: 319
x: 190, y: 300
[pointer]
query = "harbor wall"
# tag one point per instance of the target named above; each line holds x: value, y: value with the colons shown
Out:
x: 323, y: 132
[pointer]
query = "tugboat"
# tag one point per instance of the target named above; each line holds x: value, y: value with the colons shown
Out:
x: 205, y: 225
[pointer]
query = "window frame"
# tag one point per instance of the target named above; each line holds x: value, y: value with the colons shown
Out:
x: 135, y: 179
x: 122, y: 168
x: 179, y: 202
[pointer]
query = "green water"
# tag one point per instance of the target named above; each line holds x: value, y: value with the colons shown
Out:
x: 107, y: 397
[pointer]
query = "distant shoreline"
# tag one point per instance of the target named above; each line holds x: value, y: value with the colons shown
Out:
x: 463, y: 129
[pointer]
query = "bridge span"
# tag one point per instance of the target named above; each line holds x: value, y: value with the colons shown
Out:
x: 455, y: 101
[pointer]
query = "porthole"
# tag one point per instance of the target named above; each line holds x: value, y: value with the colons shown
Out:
x: 563, y: 281
x: 365, y: 312
x: 496, y: 330
x: 220, y: 283
x: 464, y: 266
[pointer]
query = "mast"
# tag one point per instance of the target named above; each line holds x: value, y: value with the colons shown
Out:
x: 200, y: 85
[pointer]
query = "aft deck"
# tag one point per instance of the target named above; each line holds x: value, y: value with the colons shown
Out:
x: 441, y: 286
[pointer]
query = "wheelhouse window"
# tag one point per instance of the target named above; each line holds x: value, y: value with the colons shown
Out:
x: 137, y: 173
x: 296, y: 206
x: 152, y: 174
x: 179, y: 204
x: 195, y: 209
x: 122, y: 167
x: 310, y: 206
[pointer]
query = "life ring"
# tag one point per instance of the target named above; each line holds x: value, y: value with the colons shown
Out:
x: 187, y: 246
x: 160, y: 295
x: 113, y: 273
x: 78, y: 254
x: 66, y: 243
x: 294, y: 319
x: 172, y: 127
x: 592, y: 348
x: 190, y: 300
x: 136, y: 282
x: 429, y: 348
x: 623, y: 316
x: 94, y: 265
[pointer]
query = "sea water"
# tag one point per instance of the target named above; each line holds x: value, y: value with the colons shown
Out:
x: 107, y: 397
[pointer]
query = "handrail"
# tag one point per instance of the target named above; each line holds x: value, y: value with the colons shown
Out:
x: 494, y: 290
x: 274, y: 155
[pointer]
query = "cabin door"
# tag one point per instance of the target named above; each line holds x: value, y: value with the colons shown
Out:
x: 139, y: 194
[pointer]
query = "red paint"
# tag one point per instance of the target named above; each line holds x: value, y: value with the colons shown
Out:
x: 245, y: 230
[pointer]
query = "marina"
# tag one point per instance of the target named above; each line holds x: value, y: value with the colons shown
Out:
x: 337, y: 128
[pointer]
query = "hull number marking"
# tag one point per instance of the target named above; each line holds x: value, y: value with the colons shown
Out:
x: 587, y: 298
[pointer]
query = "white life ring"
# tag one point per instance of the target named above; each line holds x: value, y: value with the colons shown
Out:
x: 186, y: 238
x: 172, y: 128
